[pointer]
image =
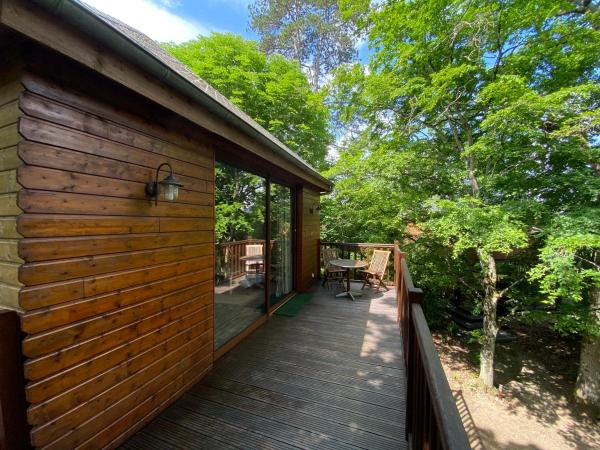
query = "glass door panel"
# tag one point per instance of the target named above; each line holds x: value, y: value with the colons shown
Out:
x: 281, y: 261
x: 240, y: 251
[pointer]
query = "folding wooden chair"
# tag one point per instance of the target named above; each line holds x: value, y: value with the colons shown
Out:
x: 254, y: 266
x: 376, y: 270
x: 332, y: 273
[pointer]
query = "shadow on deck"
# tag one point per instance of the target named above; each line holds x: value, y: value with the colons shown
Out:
x: 330, y: 378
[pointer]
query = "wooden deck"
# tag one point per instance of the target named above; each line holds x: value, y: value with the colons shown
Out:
x: 330, y: 378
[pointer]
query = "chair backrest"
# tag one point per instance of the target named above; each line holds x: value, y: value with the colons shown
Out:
x: 329, y: 254
x: 379, y: 262
x: 254, y: 249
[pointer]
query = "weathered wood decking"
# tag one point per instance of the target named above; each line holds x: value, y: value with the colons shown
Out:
x: 330, y: 378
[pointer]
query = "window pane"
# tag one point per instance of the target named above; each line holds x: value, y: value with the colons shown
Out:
x: 240, y: 249
x: 281, y: 243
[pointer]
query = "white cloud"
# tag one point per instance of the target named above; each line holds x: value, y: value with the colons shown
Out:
x: 231, y: 3
x: 152, y: 17
x: 360, y: 43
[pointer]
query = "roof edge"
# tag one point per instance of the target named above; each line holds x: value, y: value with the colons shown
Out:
x: 84, y: 19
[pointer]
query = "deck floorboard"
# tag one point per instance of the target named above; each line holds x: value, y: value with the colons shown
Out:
x: 330, y: 378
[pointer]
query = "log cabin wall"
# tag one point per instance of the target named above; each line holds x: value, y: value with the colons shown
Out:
x: 118, y: 291
x: 310, y: 237
x: 10, y: 88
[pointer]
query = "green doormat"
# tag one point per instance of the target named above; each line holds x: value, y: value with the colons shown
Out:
x: 273, y: 299
x: 294, y: 306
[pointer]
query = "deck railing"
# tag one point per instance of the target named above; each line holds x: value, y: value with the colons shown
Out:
x: 229, y: 256
x: 360, y: 250
x: 14, y: 433
x: 432, y: 419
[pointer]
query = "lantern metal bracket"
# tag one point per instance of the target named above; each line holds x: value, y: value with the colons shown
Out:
x: 153, y: 188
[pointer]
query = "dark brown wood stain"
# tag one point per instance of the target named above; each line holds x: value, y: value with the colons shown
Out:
x: 332, y: 377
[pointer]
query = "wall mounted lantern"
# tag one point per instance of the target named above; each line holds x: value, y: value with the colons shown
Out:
x: 170, y: 185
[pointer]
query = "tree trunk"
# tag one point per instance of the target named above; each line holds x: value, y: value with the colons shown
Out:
x: 490, y: 325
x: 587, y: 387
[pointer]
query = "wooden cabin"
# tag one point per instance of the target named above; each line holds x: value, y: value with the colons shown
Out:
x: 118, y: 287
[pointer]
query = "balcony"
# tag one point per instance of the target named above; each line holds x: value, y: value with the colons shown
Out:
x: 339, y: 375
x: 331, y: 377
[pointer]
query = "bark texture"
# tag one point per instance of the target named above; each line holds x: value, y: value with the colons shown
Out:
x: 490, y: 324
x: 587, y: 387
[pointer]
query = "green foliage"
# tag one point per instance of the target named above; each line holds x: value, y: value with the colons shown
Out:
x: 240, y: 204
x: 476, y: 123
x: 311, y: 32
x: 475, y: 337
x: 567, y: 268
x: 467, y: 224
x: 270, y: 89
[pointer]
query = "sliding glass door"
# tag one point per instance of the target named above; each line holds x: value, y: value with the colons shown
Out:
x: 281, y: 261
x: 239, y: 252
x: 251, y: 268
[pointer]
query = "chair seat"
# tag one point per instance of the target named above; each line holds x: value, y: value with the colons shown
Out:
x: 373, y: 275
x: 369, y: 272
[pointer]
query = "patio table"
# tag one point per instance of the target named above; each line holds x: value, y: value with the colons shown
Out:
x: 349, y: 265
x: 254, y: 261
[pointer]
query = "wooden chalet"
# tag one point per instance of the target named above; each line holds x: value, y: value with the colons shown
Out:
x: 117, y: 297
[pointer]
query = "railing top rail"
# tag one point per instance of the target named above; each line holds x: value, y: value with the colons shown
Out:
x: 359, y: 244
x: 408, y: 282
x: 241, y: 241
x: 447, y: 418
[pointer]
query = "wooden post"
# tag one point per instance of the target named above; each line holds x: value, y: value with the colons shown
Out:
x: 318, y: 259
x: 267, y: 248
x: 14, y: 431
x: 298, y: 212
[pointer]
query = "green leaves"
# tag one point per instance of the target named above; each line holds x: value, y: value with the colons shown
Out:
x: 568, y: 266
x: 468, y: 224
x: 477, y: 123
x: 270, y: 89
x: 568, y: 257
x: 311, y: 32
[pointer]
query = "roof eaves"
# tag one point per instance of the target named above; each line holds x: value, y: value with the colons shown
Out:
x: 152, y: 58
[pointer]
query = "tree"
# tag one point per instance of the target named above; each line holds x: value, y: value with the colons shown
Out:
x: 311, y: 32
x: 487, y: 90
x: 239, y: 204
x: 270, y: 89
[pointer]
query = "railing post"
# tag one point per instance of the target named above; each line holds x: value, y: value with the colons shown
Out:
x: 14, y: 431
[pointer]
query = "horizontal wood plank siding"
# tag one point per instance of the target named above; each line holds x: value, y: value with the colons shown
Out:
x: 310, y: 237
x: 10, y: 89
x: 117, y: 291
x: 43, y: 27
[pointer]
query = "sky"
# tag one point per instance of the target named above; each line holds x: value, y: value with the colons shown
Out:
x: 180, y: 20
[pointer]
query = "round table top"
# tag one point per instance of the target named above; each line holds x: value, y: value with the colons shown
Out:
x: 349, y: 263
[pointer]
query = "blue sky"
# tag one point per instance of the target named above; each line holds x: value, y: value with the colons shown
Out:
x: 180, y: 20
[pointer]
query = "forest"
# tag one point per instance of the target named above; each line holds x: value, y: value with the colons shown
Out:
x: 468, y: 130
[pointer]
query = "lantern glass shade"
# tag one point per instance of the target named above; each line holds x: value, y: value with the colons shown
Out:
x: 170, y: 185
x: 171, y: 192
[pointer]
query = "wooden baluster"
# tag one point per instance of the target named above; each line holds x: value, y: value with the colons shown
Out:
x: 240, y: 250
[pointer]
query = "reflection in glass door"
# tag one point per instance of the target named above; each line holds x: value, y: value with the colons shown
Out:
x: 281, y: 261
x: 239, y: 252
